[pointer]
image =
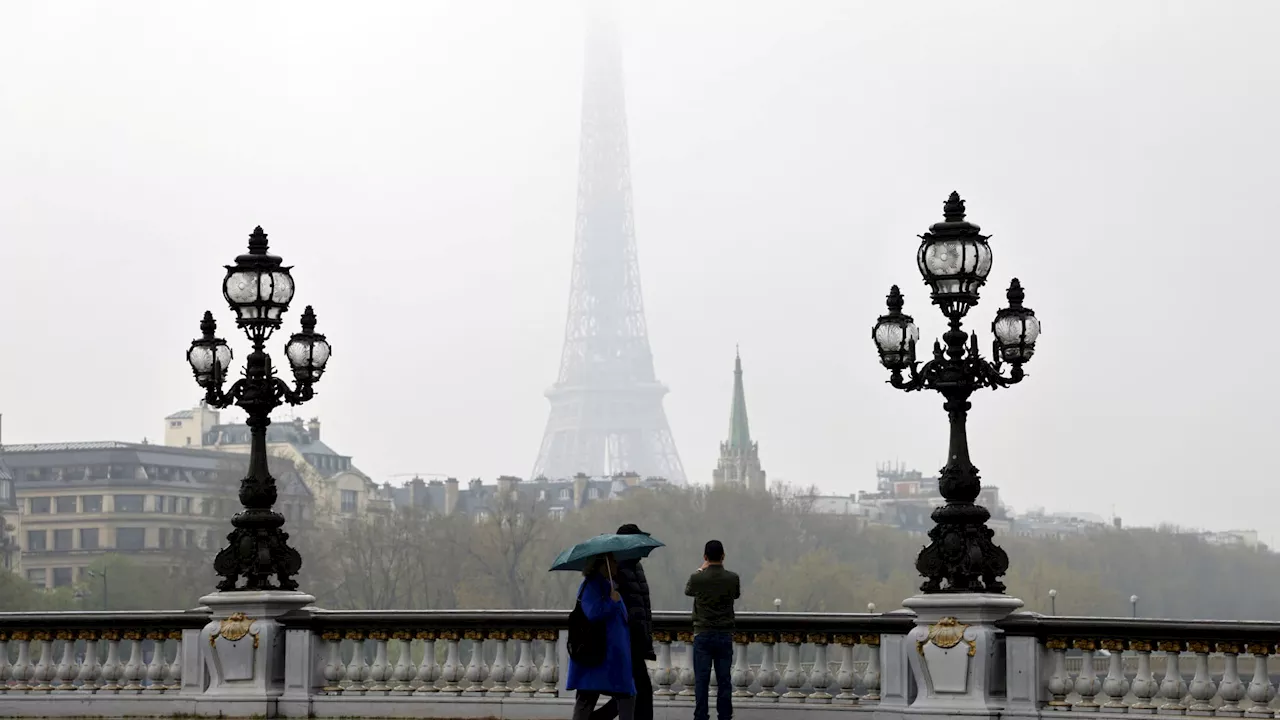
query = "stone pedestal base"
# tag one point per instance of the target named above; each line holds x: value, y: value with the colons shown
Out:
x: 956, y: 653
x: 242, y: 647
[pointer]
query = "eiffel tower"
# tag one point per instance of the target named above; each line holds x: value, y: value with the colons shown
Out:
x: 606, y: 405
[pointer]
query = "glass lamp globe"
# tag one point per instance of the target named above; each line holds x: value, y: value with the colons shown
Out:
x: 1016, y: 327
x: 308, y: 351
x: 209, y: 356
x: 954, y: 259
x: 257, y: 287
x: 895, y: 334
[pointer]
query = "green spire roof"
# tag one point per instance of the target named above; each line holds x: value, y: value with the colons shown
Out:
x: 739, y: 430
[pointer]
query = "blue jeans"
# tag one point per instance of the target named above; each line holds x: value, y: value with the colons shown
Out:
x: 712, y: 649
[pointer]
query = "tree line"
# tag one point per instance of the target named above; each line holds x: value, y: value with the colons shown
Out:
x: 780, y: 546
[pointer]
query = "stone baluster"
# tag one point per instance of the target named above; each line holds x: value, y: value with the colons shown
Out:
x: 5, y: 666
x: 665, y: 675
x: 65, y: 673
x: 453, y: 670
x: 1060, y: 683
x: 380, y: 670
x: 44, y: 667
x: 1172, y: 686
x: 1144, y: 686
x: 768, y: 674
x: 1261, y: 691
x: 741, y: 672
x: 428, y: 669
x: 358, y: 668
x: 1087, y: 684
x: 477, y: 671
x: 403, y: 673
x: 156, y: 668
x: 871, y: 678
x: 686, y: 668
x: 525, y: 672
x: 1231, y: 689
x: 90, y: 669
x: 22, y: 669
x: 794, y: 674
x: 112, y: 670
x: 820, y: 675
x: 133, y: 669
x: 500, y: 671
x: 174, y: 672
x: 334, y: 670
x: 549, y: 674
x: 1116, y: 685
x: 1202, y: 688
x: 847, y: 675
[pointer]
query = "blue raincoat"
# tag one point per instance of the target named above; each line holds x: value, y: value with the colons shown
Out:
x: 613, y: 676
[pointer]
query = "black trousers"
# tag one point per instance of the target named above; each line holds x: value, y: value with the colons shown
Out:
x: 622, y: 707
x: 644, y: 695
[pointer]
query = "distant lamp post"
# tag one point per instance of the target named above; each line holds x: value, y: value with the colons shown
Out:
x: 777, y: 604
x: 258, y: 289
x: 955, y: 259
x: 103, y: 575
x: 1053, y: 601
x: 1133, y: 605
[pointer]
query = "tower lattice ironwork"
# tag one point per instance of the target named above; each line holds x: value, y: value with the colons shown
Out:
x: 606, y: 405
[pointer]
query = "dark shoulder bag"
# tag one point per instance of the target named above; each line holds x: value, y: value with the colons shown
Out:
x: 587, y: 637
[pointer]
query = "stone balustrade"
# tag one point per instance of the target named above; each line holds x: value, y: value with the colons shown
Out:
x: 453, y: 664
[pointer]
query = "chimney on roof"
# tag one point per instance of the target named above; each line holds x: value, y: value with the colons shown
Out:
x: 580, y: 489
x: 450, y: 495
x: 313, y: 428
x: 507, y: 485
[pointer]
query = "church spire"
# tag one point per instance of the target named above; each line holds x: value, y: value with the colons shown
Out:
x: 739, y: 428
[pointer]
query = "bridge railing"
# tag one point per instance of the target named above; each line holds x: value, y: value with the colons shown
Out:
x: 1141, y: 666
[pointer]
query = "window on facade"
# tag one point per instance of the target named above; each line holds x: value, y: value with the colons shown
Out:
x: 190, y: 538
x: 164, y: 537
x: 350, y: 501
x: 91, y: 503
x: 62, y: 539
x: 6, y: 490
x: 61, y: 577
x: 158, y: 505
x: 566, y: 494
x: 40, y: 505
x: 175, y: 423
x: 89, y: 539
x: 593, y: 494
x: 66, y: 504
x: 129, y: 503
x: 36, y: 577
x: 210, y: 539
x: 184, y: 505
x: 37, y: 540
x: 131, y: 538
x: 557, y: 513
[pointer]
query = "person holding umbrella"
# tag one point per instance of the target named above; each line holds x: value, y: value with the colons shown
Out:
x: 634, y: 588
x: 599, y: 637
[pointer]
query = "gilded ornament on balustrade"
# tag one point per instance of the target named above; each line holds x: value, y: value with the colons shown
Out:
x: 1112, y: 645
x: 1259, y: 649
x: 765, y: 638
x: 377, y: 635
x: 789, y: 638
x: 355, y: 635
x: 661, y: 636
x: 1199, y: 646
x: 233, y: 627
x: 522, y: 635
x: 553, y: 635
x: 741, y: 638
x: 426, y: 635
x: 872, y: 640
x: 946, y: 634
x: 175, y: 634
x: 684, y: 636
x: 817, y: 638
x: 87, y: 635
x: 110, y: 634
x: 330, y: 635
x: 844, y: 639
x: 402, y: 635
x: 1056, y: 643
x: 473, y: 635
x: 1085, y: 644
x: 1229, y: 648
x: 1171, y: 646
x: 43, y: 635
x: 63, y: 635
x: 498, y: 634
x: 155, y: 635
x: 1140, y: 646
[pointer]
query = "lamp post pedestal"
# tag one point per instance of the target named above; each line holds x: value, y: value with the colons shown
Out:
x: 956, y: 653
x: 243, y: 650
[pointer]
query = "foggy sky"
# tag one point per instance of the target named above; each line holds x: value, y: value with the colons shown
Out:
x: 416, y: 162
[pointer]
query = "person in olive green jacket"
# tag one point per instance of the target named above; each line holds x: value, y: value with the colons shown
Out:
x: 713, y: 590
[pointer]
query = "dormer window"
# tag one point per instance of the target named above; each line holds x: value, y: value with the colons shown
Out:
x: 566, y: 494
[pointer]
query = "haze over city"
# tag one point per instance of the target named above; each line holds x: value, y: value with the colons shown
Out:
x: 417, y: 163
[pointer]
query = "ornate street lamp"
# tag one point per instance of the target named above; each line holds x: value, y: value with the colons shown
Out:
x: 955, y: 259
x: 258, y: 288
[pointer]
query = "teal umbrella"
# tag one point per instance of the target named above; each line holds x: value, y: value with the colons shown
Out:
x: 622, y: 547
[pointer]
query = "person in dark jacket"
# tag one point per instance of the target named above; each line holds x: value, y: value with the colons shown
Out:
x: 634, y: 589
